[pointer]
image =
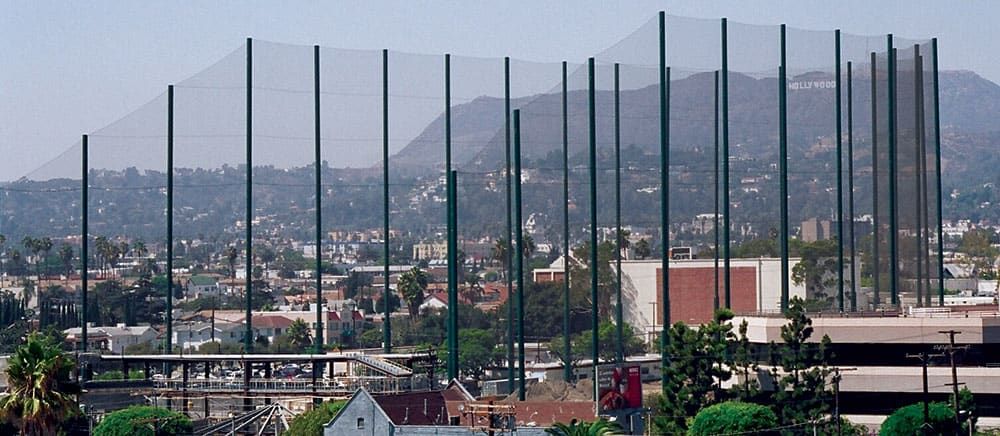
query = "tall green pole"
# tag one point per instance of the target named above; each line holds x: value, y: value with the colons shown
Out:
x: 452, y: 245
x: 715, y: 179
x: 84, y: 240
x: 725, y: 161
x: 893, y: 174
x: 664, y: 200
x: 918, y: 172
x: 876, y: 222
x: 567, y: 348
x: 519, y: 255
x: 169, y: 343
x: 783, y: 169
x: 937, y: 170
x: 619, y: 319
x: 508, y: 259
x: 453, y: 277
x: 850, y: 186
x: 925, y: 210
x: 592, y: 134
x: 386, y: 292
x: 840, y: 180
x: 248, y: 333
x: 319, y: 202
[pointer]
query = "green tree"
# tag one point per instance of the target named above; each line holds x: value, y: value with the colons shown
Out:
x: 499, y: 253
x: 394, y: 303
x: 698, y: 366
x: 734, y: 417
x: 311, y: 423
x: 801, y: 393
x: 607, y: 336
x: 580, y: 276
x: 745, y: 363
x: 477, y: 352
x: 231, y: 255
x: 967, y: 408
x: 757, y: 248
x: 977, y: 245
x: 817, y: 270
x: 909, y: 420
x: 40, y: 392
x: 601, y: 427
x: 66, y: 258
x: 642, y: 249
x: 412, y: 285
x: 143, y: 421
x: 296, y: 339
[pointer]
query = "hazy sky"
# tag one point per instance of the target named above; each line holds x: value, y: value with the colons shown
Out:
x: 72, y: 67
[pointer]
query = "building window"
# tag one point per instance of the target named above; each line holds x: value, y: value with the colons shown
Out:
x: 361, y: 423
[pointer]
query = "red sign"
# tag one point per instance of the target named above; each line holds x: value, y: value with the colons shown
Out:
x: 620, y: 387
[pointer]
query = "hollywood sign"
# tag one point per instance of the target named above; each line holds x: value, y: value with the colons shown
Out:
x: 812, y: 84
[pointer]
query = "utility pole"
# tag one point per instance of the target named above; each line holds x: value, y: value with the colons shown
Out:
x: 924, y: 358
x: 954, y: 371
x: 836, y: 395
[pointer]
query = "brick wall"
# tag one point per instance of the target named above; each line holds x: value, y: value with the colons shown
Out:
x: 692, y: 293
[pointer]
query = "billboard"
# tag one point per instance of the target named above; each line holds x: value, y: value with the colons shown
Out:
x: 619, y: 387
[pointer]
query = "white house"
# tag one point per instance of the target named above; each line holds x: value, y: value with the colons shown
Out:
x: 192, y: 335
x: 114, y: 339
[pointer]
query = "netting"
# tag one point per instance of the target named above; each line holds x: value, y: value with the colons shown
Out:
x: 411, y: 102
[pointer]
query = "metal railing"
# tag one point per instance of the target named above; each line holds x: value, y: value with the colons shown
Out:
x: 339, y: 385
x: 383, y: 365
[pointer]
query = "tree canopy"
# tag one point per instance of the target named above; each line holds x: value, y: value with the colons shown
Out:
x: 40, y: 391
x: 311, y: 423
x: 909, y: 420
x: 734, y: 417
x: 143, y: 421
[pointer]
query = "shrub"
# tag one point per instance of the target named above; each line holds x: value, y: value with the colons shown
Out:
x: 134, y: 374
x: 143, y: 421
x: 733, y: 417
x: 311, y: 423
x: 908, y: 420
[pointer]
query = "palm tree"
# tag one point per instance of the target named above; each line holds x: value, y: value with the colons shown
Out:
x: 499, y: 252
x: 31, y: 246
x: 473, y: 287
x: 15, y: 261
x: 66, y: 257
x: 231, y: 255
x: 267, y: 255
x: 411, y: 285
x: 44, y: 246
x: 40, y: 394
x: 139, y: 251
x: 601, y: 427
x: 528, y: 246
x: 298, y: 335
x: 625, y: 243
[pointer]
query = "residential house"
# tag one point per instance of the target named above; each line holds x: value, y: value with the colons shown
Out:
x: 452, y: 411
x: 192, y: 335
x: 410, y: 413
x: 113, y: 339
x: 200, y: 285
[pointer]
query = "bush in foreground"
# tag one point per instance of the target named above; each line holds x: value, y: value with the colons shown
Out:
x: 908, y: 420
x: 311, y: 423
x: 733, y: 417
x: 143, y: 421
